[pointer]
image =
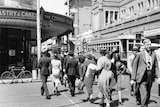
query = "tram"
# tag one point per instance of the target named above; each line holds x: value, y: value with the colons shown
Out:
x: 123, y: 43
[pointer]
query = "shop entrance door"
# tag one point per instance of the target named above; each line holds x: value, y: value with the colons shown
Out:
x: 16, y: 53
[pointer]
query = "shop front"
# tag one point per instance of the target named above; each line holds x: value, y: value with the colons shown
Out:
x: 18, y: 34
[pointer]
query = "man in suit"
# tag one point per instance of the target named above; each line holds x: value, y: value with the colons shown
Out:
x: 72, y: 71
x: 145, y: 68
x: 44, y: 64
x: 129, y: 66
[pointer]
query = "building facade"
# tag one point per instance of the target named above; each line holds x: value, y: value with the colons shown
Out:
x: 113, y: 20
x: 80, y: 12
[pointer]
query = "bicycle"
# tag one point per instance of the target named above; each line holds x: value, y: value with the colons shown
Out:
x: 8, y: 76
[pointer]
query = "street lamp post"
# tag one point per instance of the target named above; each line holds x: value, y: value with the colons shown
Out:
x: 38, y: 34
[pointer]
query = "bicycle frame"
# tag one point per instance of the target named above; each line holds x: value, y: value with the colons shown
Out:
x: 13, y: 70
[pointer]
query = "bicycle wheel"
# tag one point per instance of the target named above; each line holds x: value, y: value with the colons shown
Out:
x: 7, y: 77
x: 26, y: 76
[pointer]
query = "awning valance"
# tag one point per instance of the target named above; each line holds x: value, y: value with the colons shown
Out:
x: 17, y: 22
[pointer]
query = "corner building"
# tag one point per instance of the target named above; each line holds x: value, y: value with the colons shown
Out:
x: 18, y: 31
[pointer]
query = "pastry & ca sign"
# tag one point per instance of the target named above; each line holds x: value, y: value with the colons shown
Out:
x: 14, y: 13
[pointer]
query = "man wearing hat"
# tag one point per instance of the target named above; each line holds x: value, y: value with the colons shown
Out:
x: 72, y: 71
x: 145, y: 69
x: 130, y: 63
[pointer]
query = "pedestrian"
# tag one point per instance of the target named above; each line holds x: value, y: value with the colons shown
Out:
x: 105, y: 78
x: 88, y: 77
x: 34, y: 64
x: 34, y: 61
x: 145, y: 68
x: 129, y: 66
x: 81, y: 60
x: 72, y: 71
x: 118, y: 68
x: 56, y: 68
x: 44, y: 64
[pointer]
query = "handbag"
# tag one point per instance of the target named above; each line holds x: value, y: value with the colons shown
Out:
x: 80, y: 84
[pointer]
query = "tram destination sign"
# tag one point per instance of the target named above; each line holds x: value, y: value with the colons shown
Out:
x: 17, y: 13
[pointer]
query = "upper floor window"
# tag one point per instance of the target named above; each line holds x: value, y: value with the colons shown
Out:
x: 111, y: 16
x: 148, y: 4
x: 157, y: 3
x: 116, y: 15
x: 123, y: 12
x: 106, y: 16
x: 140, y: 6
x: 131, y: 9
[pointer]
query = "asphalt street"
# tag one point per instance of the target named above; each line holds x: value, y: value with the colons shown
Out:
x: 28, y: 95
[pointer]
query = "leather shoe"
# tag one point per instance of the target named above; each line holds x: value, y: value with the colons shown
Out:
x: 138, y: 103
x: 42, y: 91
x: 48, y: 97
x: 84, y: 100
x: 120, y: 103
x: 91, y: 100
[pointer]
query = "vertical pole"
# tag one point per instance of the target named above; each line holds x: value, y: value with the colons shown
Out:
x: 68, y: 45
x: 158, y: 89
x: 38, y: 34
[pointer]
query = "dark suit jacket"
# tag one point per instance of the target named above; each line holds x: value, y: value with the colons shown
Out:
x: 44, y: 64
x: 140, y: 66
x: 72, y: 67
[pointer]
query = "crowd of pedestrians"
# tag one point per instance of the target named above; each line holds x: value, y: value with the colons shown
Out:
x: 142, y: 67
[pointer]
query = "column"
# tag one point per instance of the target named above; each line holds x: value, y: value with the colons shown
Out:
x: 109, y: 21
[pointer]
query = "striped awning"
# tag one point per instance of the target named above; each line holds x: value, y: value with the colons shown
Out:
x: 17, y: 22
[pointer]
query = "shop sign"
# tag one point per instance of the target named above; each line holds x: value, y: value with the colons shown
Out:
x: 152, y: 32
x: 57, y: 18
x: 17, y: 14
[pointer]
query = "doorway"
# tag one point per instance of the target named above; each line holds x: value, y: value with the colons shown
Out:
x: 16, y: 53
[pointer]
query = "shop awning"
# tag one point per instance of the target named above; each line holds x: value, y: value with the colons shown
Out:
x: 17, y: 22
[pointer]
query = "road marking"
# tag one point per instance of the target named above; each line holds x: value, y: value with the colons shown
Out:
x: 70, y: 100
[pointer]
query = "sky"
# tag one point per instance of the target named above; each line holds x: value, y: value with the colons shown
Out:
x: 55, y: 6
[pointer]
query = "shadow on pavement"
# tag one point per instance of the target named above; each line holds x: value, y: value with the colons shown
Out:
x: 152, y: 101
x: 72, y: 104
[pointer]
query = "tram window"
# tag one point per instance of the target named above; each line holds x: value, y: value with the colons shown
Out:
x: 124, y: 44
x: 130, y: 41
x: 130, y: 47
x: 137, y: 41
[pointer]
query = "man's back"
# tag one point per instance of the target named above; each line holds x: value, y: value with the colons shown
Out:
x: 72, y: 66
x: 44, y: 65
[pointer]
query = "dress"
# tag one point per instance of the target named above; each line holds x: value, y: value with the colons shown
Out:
x: 89, y: 77
x: 106, y: 78
x: 56, y: 68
